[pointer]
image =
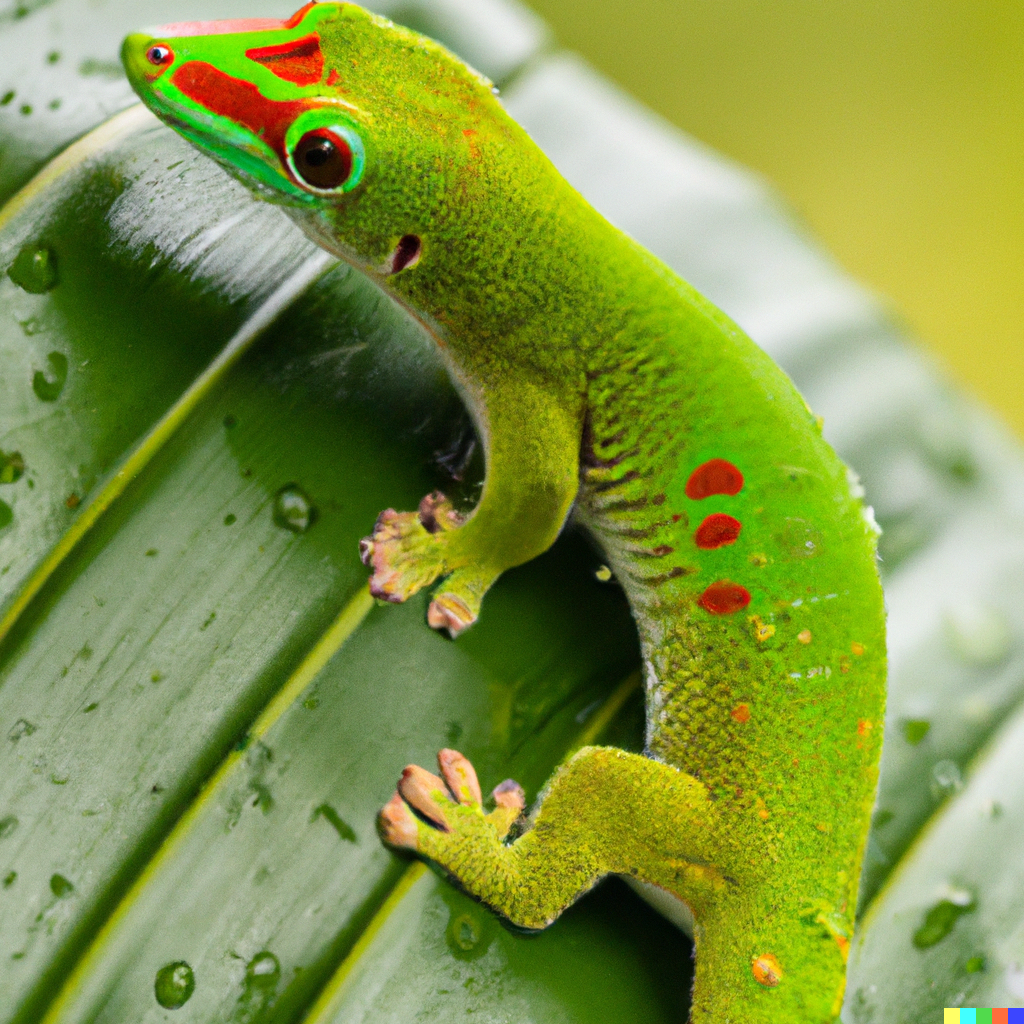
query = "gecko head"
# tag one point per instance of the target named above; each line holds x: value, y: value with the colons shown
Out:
x: 358, y: 126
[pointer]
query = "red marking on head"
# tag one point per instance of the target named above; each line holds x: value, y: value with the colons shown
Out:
x: 717, y: 530
x: 724, y: 598
x: 741, y: 713
x: 299, y: 61
x: 240, y: 101
x: 333, y: 78
x: 714, y: 477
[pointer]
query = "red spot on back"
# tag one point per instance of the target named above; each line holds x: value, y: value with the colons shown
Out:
x: 741, y: 713
x: 717, y: 530
x: 299, y: 61
x: 724, y: 598
x: 714, y: 477
x: 240, y: 101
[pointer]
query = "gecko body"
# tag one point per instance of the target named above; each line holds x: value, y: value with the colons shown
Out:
x: 603, y: 384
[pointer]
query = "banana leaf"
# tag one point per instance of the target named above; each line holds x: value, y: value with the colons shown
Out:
x: 201, y: 709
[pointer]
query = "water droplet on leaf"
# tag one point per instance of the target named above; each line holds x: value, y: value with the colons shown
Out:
x: 915, y: 730
x: 946, y: 779
x: 12, y: 467
x: 8, y: 825
x: 6, y: 514
x: 293, y: 510
x: 940, y: 919
x: 468, y: 935
x: 22, y: 727
x: 48, y: 385
x: 34, y: 268
x: 174, y: 985
x: 263, y: 971
x: 60, y: 886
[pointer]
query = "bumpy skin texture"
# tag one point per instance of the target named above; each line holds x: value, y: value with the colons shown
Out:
x: 600, y: 381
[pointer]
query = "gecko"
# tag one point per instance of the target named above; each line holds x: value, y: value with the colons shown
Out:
x: 604, y: 387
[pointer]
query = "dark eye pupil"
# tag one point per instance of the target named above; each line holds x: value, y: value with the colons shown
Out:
x: 158, y: 55
x: 323, y: 159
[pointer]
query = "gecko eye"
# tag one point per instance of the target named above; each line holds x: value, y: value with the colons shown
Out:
x: 159, y: 55
x: 323, y: 159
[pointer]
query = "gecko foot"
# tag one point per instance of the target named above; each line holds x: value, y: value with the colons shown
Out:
x: 406, y: 550
x: 428, y: 814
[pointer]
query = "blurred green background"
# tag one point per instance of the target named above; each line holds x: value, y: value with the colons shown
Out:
x: 895, y: 127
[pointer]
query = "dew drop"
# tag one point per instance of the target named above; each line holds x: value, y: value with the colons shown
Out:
x: 48, y: 385
x: 940, y: 919
x: 230, y: 519
x: 946, y: 779
x: 34, y: 269
x: 975, y: 965
x: 263, y: 971
x: 12, y: 467
x: 915, y: 730
x: 6, y: 514
x: 174, y: 985
x: 293, y: 510
x: 22, y: 727
x: 61, y: 886
x: 468, y: 936
x: 10, y: 878
x: 8, y: 825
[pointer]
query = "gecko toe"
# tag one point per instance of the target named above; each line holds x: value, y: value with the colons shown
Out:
x: 460, y: 775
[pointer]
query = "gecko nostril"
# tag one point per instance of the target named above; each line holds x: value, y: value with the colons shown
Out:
x: 407, y: 254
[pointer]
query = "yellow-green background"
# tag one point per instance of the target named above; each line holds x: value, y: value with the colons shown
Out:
x: 895, y: 127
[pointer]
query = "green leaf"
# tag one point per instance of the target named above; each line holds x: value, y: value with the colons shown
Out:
x: 201, y: 710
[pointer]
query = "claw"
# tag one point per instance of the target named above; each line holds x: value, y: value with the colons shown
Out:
x: 366, y: 550
x: 437, y: 513
x: 509, y: 794
x: 418, y: 788
x: 396, y: 824
x: 449, y: 612
x: 460, y: 775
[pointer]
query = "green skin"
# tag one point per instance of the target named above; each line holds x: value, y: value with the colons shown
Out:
x: 600, y: 382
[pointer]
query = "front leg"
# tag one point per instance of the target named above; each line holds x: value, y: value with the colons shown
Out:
x: 531, y: 434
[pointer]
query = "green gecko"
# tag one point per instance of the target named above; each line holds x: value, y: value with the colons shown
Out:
x: 603, y: 385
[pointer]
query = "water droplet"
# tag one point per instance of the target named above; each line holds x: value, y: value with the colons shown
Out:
x: 975, y: 965
x: 10, y: 878
x: 6, y: 514
x: 89, y: 707
x: 293, y: 510
x: 12, y: 467
x: 468, y: 935
x: 263, y: 971
x: 8, y: 825
x: 940, y: 919
x: 946, y: 779
x: 978, y: 634
x: 6, y: 98
x: 915, y: 730
x: 22, y: 727
x: 602, y: 574
x: 174, y: 985
x: 152, y: 552
x: 230, y: 519
x: 34, y: 268
x: 60, y: 886
x: 49, y: 385
x: 799, y: 539
x: 53, y: 56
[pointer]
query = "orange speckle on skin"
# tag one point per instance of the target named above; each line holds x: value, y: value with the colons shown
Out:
x: 767, y: 970
x: 823, y: 826
x: 763, y: 813
x: 741, y: 713
x: 762, y: 630
x: 858, y: 649
x: 804, y: 636
x: 864, y: 727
